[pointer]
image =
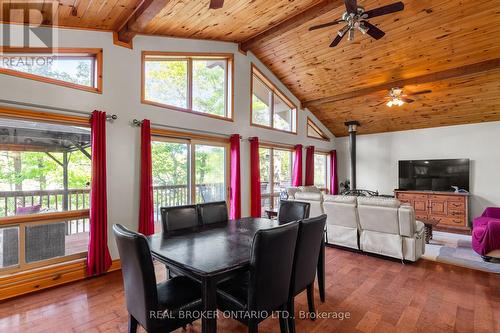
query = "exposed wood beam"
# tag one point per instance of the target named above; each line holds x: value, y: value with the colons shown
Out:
x: 138, y: 20
x: 427, y: 78
x: 292, y: 23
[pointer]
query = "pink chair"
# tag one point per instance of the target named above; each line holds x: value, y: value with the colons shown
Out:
x: 486, y: 234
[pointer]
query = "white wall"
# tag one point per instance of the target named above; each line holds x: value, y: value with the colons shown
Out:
x: 121, y: 96
x: 378, y: 155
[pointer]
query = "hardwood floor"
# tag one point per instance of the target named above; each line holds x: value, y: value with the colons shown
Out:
x: 379, y: 294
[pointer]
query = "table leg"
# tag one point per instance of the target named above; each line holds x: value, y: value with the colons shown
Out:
x: 209, y: 296
x: 428, y: 233
x: 321, y: 271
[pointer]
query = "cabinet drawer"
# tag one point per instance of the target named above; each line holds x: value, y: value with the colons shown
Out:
x: 453, y: 221
x: 421, y: 217
x: 456, y: 205
x: 404, y: 196
x: 456, y: 213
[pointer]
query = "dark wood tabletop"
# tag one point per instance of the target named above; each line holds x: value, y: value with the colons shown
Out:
x: 210, y: 250
x: 211, y: 253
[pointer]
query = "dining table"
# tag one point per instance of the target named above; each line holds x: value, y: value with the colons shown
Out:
x: 212, y: 253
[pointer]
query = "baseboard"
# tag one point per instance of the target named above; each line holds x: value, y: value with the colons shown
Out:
x: 21, y: 283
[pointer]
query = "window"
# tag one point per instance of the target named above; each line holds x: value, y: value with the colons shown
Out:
x: 321, y: 171
x: 74, y: 68
x: 187, y: 172
x: 313, y: 131
x: 200, y: 83
x: 45, y: 171
x: 275, y: 175
x: 270, y: 108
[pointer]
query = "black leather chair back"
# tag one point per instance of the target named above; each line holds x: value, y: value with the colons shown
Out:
x: 271, y: 267
x: 179, y: 217
x: 213, y: 212
x: 138, y: 274
x: 293, y: 211
x: 309, y: 240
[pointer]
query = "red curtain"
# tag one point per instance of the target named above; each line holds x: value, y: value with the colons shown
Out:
x: 297, y: 166
x: 146, y: 215
x: 334, y: 180
x: 98, y: 260
x: 309, y: 166
x: 255, y: 205
x: 235, y: 190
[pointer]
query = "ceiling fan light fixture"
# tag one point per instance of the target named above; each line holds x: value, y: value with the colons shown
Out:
x: 395, y: 101
x: 350, y: 37
x: 363, y: 28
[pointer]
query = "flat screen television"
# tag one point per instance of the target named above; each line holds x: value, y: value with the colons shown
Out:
x: 434, y: 175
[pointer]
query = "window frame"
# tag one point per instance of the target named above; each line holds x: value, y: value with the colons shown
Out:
x: 189, y: 57
x: 327, y: 170
x: 275, y: 91
x: 318, y: 130
x: 24, y: 221
x: 63, y: 52
x: 272, y: 148
x: 193, y: 139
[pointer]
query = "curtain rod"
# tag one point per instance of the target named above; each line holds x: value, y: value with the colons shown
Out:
x: 53, y: 108
x: 136, y: 122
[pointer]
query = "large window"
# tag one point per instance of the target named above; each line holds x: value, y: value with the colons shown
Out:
x: 74, y: 68
x: 200, y: 83
x: 275, y: 175
x: 187, y: 172
x: 45, y: 171
x: 271, y: 108
x: 321, y: 171
x: 313, y: 131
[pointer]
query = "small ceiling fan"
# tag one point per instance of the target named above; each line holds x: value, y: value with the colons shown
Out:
x: 356, y: 17
x: 398, y: 98
x: 216, y: 4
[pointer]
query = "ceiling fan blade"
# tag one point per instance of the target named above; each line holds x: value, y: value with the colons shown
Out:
x: 337, y: 40
x: 324, y: 25
x: 407, y: 100
x: 392, y: 8
x: 351, y: 6
x: 373, y: 31
x: 420, y: 92
x: 216, y: 4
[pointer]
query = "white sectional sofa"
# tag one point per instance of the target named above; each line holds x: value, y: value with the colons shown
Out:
x: 371, y: 224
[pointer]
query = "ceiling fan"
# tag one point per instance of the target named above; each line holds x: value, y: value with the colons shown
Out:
x: 216, y: 4
x: 356, y: 17
x: 398, y: 98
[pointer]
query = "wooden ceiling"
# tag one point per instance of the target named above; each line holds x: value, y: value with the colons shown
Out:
x: 450, y: 47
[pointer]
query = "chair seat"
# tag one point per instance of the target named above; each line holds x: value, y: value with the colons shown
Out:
x: 232, y: 294
x: 179, y: 294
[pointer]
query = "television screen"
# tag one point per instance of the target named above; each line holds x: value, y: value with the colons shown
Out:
x: 434, y: 175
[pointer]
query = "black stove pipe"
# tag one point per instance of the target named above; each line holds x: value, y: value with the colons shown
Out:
x: 352, y: 127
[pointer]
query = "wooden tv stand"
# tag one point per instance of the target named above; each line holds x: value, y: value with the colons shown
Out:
x: 448, y: 209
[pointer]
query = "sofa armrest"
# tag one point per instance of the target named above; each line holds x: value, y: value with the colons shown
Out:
x: 407, y: 223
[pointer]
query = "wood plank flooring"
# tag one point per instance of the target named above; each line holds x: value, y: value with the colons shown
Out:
x: 380, y: 295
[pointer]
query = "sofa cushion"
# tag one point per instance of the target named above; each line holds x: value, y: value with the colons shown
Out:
x: 291, y: 191
x: 312, y: 189
x: 379, y: 202
x: 345, y: 199
x: 308, y: 196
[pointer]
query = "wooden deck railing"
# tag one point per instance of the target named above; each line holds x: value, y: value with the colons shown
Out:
x: 79, y: 199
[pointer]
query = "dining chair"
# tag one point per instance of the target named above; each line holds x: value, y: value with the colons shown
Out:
x: 156, y: 307
x: 213, y: 212
x: 293, y: 211
x: 179, y: 217
x: 309, y: 242
x: 265, y: 287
